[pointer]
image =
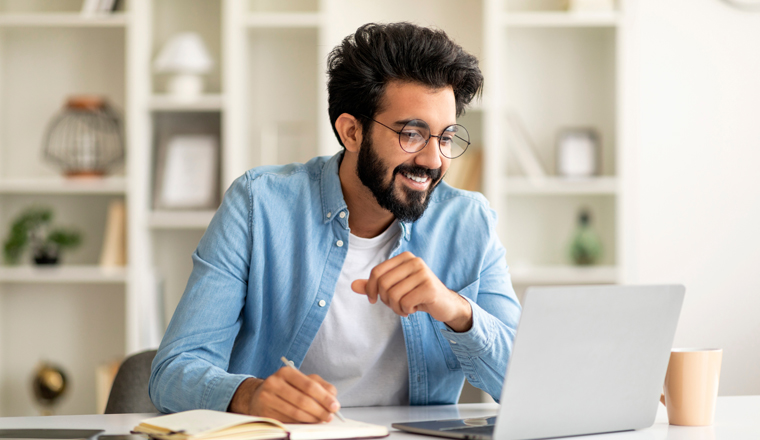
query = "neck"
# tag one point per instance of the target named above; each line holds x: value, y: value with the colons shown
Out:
x: 367, y: 218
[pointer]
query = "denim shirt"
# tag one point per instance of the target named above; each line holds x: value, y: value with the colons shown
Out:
x: 265, y: 271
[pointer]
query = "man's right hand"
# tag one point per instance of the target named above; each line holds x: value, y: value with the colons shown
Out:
x: 288, y: 396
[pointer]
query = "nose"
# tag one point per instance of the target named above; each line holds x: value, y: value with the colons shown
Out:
x: 430, y: 156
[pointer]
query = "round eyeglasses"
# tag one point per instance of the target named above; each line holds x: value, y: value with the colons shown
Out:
x: 415, y: 135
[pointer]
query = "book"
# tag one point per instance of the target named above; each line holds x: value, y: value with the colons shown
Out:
x: 114, y: 250
x: 465, y: 172
x: 523, y: 148
x: 203, y: 424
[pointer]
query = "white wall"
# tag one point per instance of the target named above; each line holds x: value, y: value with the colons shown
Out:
x: 696, y: 207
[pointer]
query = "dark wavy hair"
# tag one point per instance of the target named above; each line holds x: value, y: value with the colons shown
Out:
x: 360, y: 67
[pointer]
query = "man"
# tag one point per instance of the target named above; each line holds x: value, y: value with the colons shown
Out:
x: 384, y: 285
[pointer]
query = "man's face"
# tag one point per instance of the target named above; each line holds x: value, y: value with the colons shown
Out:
x: 403, y: 182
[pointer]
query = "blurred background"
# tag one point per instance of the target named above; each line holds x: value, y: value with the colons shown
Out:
x: 616, y: 139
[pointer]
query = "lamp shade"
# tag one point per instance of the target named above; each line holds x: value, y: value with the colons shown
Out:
x: 184, y: 53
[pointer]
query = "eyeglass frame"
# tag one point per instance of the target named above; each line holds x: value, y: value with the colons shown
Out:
x: 431, y: 135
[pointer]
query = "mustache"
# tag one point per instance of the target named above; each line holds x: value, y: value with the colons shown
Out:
x: 417, y: 170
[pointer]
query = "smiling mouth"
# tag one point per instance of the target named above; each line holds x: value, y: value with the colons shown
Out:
x: 416, y: 183
x: 418, y: 179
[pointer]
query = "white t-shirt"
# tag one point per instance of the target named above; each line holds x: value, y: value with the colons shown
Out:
x: 360, y: 346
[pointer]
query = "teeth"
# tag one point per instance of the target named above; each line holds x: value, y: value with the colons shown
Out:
x: 417, y: 179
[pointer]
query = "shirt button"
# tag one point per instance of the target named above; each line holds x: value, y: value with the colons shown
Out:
x: 339, y: 243
x: 342, y: 214
x: 329, y: 214
x: 322, y: 303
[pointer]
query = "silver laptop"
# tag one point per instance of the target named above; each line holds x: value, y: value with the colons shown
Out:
x: 586, y: 359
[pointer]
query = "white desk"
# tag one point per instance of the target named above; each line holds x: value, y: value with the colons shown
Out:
x: 736, y: 418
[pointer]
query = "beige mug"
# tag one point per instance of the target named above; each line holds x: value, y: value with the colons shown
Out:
x: 691, y: 386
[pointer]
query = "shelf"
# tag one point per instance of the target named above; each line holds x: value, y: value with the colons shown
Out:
x: 65, y: 19
x: 62, y: 185
x: 560, y: 19
x: 560, y: 186
x: 283, y: 20
x: 559, y: 274
x: 180, y: 219
x: 210, y: 102
x: 63, y: 274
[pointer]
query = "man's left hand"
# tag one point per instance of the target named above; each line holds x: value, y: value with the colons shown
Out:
x: 407, y: 285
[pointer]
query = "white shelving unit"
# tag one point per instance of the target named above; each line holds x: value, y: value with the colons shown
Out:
x: 63, y: 274
x: 559, y: 19
x: 266, y: 100
x: 59, y: 185
x: 561, y: 274
x: 204, y: 103
x: 555, y: 69
x: 180, y: 219
x: 73, y: 314
x: 66, y: 19
x: 558, y: 186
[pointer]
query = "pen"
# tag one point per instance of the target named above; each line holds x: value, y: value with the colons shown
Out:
x: 291, y: 364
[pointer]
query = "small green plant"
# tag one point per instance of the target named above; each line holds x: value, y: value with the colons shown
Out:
x: 32, y: 229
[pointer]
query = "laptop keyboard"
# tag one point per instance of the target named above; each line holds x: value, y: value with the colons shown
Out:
x: 474, y: 432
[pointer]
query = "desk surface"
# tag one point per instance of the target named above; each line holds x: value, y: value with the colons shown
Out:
x: 736, y: 417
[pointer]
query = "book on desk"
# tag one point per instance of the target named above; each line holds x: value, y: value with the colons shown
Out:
x: 207, y: 424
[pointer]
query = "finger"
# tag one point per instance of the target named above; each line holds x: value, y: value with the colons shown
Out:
x: 382, y: 268
x: 320, y: 402
x: 325, y: 384
x: 415, y: 300
x: 289, y: 412
x: 406, y: 295
x: 271, y: 403
x: 308, y: 409
x: 359, y: 286
x: 390, y: 279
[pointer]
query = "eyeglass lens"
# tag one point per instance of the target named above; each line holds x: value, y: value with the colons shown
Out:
x: 415, y: 135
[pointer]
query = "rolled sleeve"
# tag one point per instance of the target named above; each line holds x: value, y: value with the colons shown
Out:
x: 477, y: 338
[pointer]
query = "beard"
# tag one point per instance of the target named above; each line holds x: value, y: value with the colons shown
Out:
x: 372, y: 170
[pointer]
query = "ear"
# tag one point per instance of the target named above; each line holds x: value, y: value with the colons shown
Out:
x: 350, y: 131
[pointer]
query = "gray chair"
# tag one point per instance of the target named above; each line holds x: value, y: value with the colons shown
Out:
x: 129, y: 393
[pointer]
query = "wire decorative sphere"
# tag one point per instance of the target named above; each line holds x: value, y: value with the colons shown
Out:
x: 85, y: 138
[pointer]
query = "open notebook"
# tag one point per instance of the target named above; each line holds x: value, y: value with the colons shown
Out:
x: 205, y: 424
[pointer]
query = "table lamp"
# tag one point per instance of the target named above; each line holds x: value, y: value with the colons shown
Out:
x: 185, y: 56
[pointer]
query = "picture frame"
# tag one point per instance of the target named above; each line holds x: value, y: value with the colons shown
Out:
x: 187, y: 173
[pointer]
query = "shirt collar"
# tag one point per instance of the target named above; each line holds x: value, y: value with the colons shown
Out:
x: 332, y: 194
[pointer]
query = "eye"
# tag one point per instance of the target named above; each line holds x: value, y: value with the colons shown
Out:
x: 412, y: 135
x: 447, y: 139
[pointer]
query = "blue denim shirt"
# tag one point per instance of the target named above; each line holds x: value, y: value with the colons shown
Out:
x: 265, y: 271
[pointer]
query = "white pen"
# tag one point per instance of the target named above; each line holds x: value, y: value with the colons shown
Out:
x: 291, y: 364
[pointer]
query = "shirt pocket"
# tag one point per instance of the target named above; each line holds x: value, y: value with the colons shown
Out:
x: 451, y: 359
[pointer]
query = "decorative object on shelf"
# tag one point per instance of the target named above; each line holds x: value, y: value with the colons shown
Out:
x: 85, y: 138
x: 585, y: 247
x: 466, y: 171
x: 49, y: 384
x: 186, y: 57
x: 591, y: 5
x: 94, y: 7
x: 104, y: 375
x: 523, y: 148
x: 114, y: 251
x: 32, y: 229
x: 187, y: 173
x: 578, y: 152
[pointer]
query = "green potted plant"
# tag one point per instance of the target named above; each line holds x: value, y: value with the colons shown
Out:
x: 32, y: 229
